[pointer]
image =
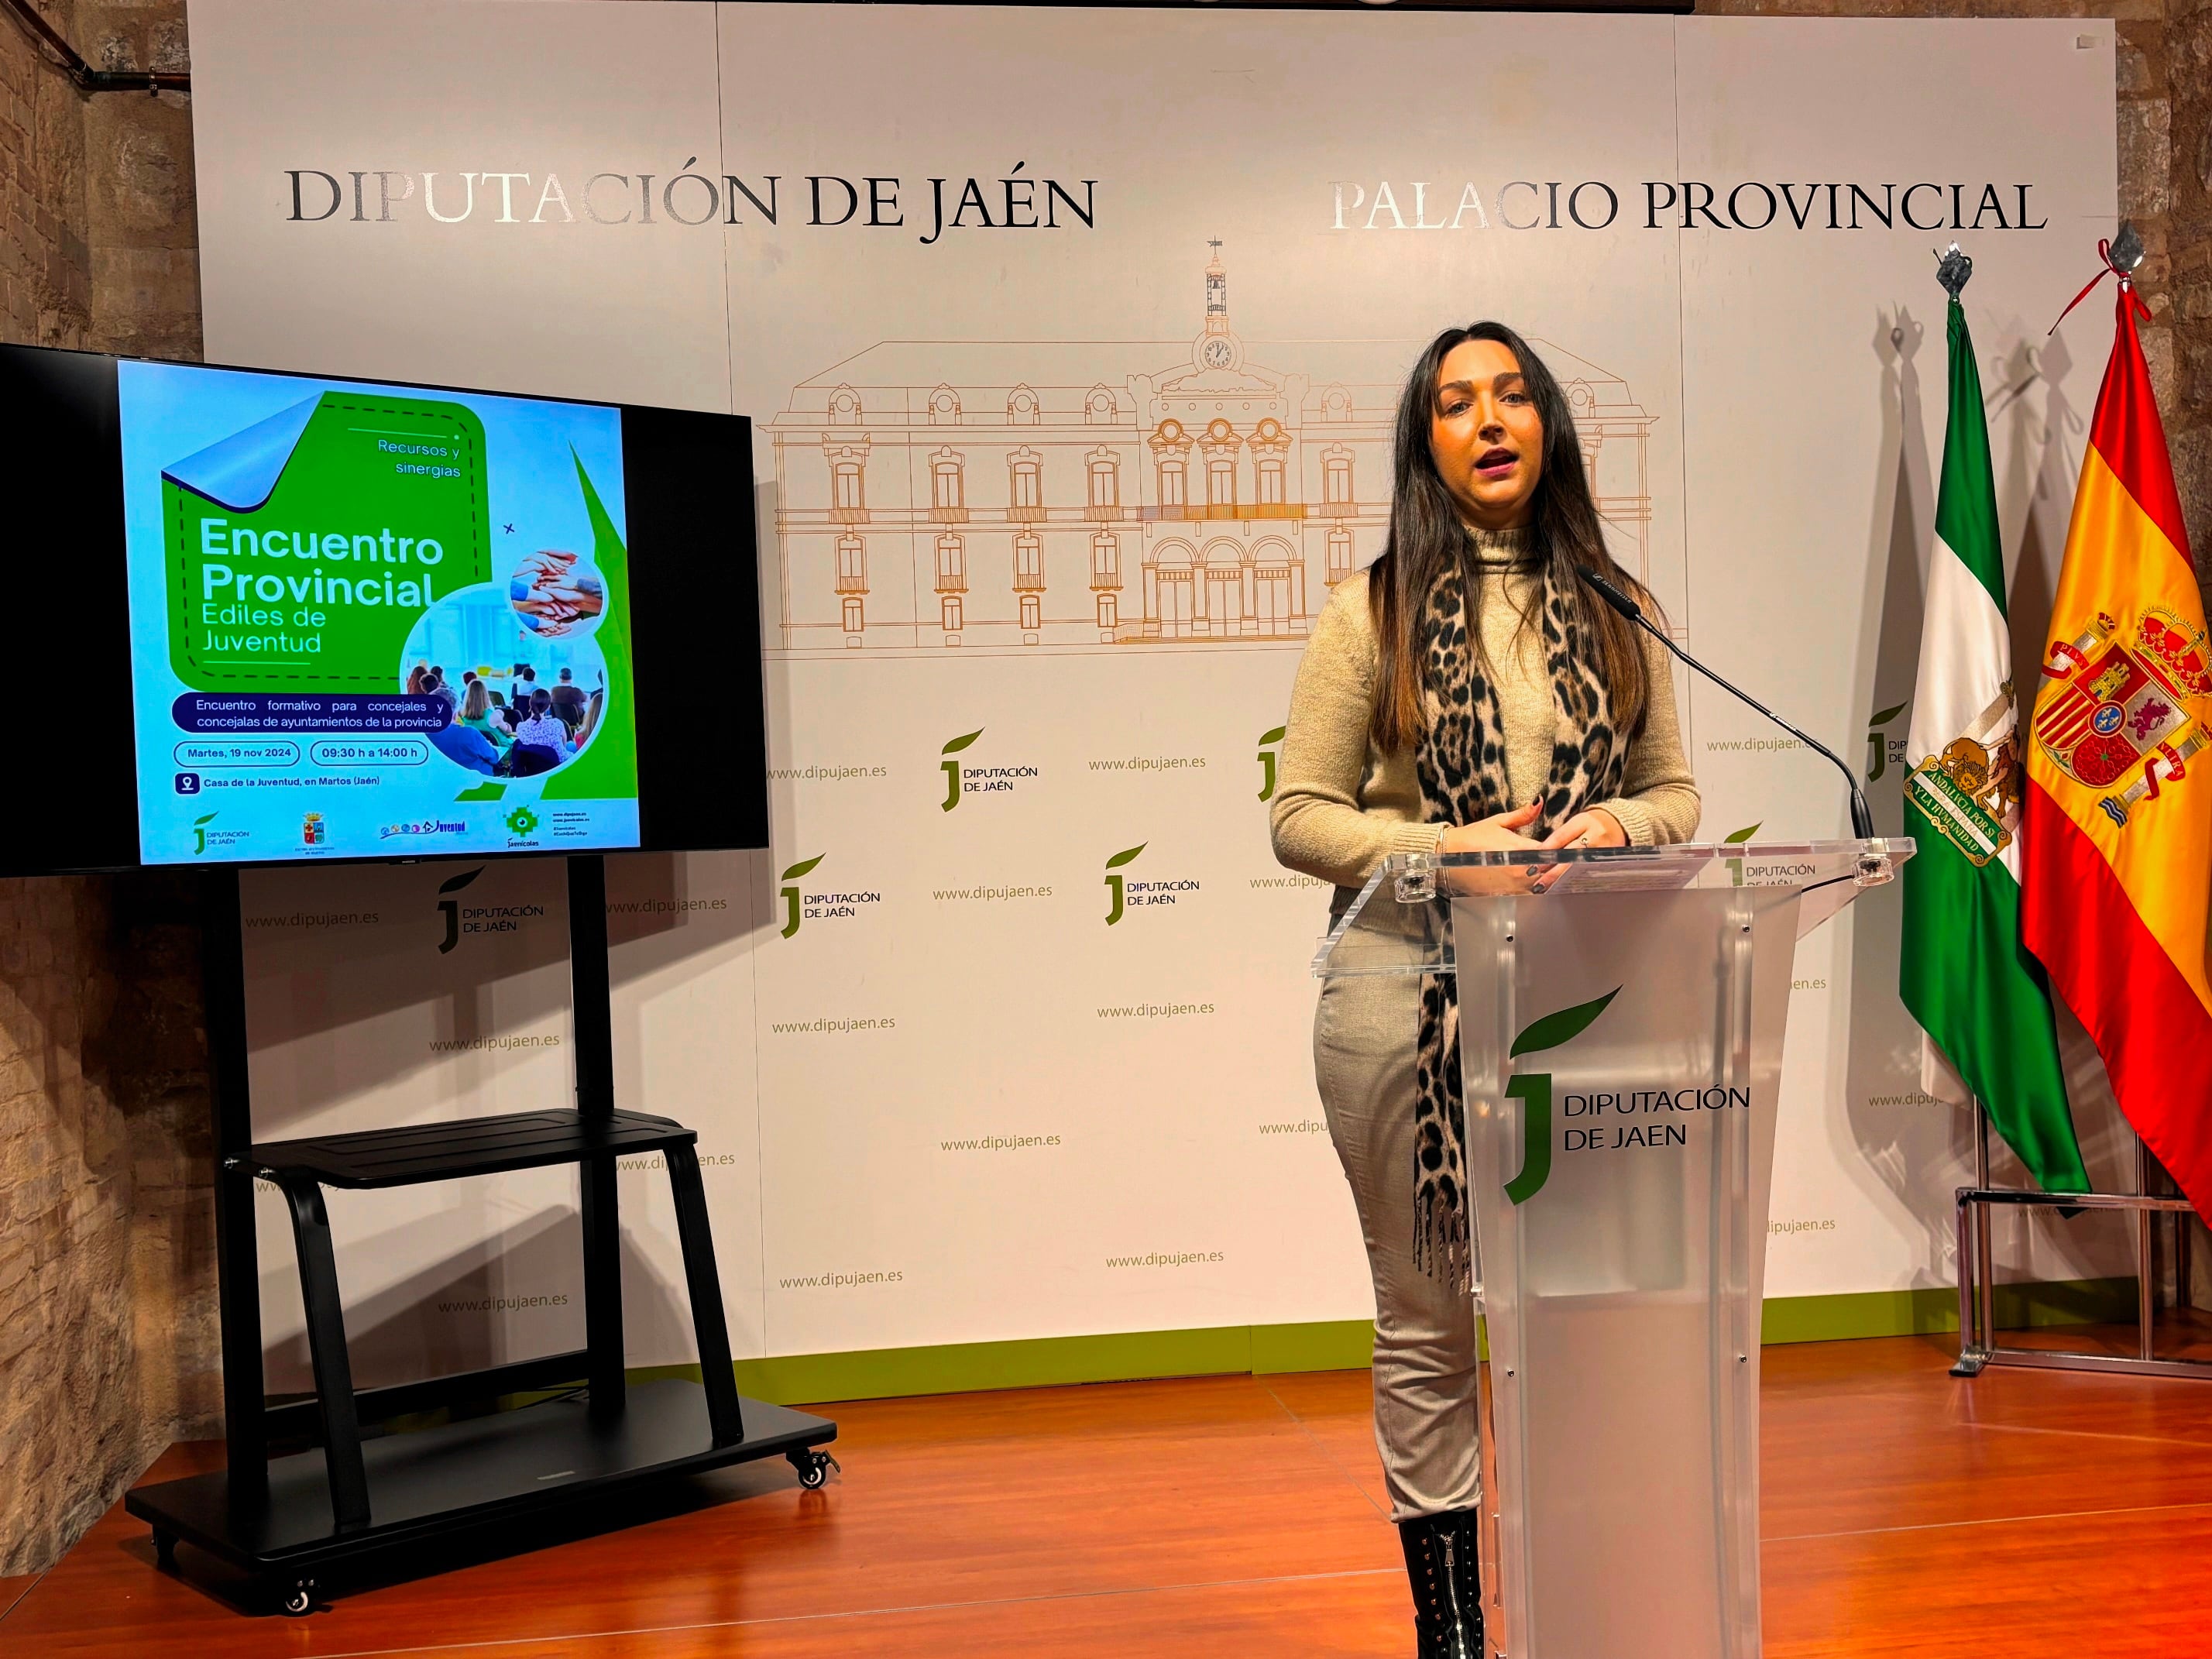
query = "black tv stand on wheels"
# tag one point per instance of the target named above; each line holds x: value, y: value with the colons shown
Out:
x: 285, y: 1519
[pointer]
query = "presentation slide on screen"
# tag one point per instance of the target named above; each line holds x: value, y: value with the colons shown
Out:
x: 373, y: 621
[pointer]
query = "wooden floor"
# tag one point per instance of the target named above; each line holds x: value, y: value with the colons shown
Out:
x: 2023, y: 1514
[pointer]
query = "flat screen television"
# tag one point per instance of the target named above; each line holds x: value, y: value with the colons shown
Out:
x: 274, y: 618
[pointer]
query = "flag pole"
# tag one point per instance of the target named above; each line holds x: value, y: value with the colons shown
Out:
x: 2147, y: 1286
x: 1976, y: 1272
x: 2184, y: 1249
x: 1986, y: 1290
x: 2184, y: 1266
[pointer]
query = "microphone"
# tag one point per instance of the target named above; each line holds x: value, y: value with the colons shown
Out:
x: 1862, y: 814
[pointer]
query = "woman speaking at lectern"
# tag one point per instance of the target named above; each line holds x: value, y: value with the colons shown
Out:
x: 1467, y: 692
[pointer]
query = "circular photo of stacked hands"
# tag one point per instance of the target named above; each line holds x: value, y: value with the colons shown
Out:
x: 556, y: 593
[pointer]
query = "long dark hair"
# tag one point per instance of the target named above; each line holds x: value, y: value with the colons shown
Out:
x: 1427, y: 538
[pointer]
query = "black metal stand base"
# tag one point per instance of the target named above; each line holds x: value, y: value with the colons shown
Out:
x: 479, y: 1473
x: 356, y: 1496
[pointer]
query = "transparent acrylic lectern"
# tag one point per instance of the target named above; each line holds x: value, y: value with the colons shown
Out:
x: 1621, y: 1017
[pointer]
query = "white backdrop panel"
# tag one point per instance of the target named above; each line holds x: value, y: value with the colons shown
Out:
x: 954, y: 1102
x: 522, y: 290
x: 357, y: 1020
x: 1813, y: 522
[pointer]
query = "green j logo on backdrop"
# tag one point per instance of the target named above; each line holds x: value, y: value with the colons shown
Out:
x: 952, y: 768
x: 451, y: 908
x: 1113, y: 880
x: 1878, y: 745
x: 791, y: 892
x: 1737, y: 838
x: 1534, y: 1090
x: 1267, y: 741
x: 199, y: 833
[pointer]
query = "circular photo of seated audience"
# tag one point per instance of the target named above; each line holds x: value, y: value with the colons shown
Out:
x: 520, y: 703
x: 556, y: 594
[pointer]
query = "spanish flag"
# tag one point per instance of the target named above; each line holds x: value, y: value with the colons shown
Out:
x: 2117, y: 850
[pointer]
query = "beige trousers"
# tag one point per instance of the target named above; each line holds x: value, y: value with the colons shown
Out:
x: 1364, y: 1033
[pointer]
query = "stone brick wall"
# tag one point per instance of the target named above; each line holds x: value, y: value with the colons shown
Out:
x: 2189, y: 147
x: 141, y: 233
x: 45, y: 266
x: 107, y: 1330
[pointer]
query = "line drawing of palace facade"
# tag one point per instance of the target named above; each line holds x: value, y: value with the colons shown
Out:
x: 1040, y: 495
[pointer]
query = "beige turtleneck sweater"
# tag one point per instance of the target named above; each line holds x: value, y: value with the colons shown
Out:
x: 1342, y: 804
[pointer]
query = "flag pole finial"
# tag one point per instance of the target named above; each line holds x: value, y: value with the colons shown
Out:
x: 2119, y: 254
x: 1953, y: 269
x: 2127, y: 249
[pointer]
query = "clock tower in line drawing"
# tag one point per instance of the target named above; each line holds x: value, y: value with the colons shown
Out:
x: 1217, y: 348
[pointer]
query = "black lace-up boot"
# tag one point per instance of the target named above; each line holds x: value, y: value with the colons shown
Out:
x: 1442, y: 1564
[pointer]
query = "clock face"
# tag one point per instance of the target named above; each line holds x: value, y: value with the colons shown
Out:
x: 1218, y: 353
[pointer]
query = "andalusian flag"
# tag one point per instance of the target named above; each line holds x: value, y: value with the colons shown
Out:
x: 2118, y: 866
x: 1980, y: 997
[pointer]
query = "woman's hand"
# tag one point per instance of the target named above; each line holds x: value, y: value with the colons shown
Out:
x: 1500, y: 834
x: 1594, y: 828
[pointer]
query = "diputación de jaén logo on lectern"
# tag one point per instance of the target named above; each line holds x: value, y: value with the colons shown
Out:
x: 1541, y: 1103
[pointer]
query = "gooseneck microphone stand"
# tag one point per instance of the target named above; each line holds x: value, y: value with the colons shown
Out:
x: 1862, y: 814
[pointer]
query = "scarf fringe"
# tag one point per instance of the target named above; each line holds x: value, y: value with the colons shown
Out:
x: 1441, y: 1247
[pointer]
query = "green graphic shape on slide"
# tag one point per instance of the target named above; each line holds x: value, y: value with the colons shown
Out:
x: 302, y: 549
x: 607, y: 768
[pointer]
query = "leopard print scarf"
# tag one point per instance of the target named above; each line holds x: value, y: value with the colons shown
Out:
x: 1461, y: 764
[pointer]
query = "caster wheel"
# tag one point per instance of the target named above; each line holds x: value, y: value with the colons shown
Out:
x: 165, y: 1551
x: 813, y: 1468
x: 300, y: 1600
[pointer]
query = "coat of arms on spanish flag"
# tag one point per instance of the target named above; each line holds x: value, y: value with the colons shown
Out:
x: 2118, y: 887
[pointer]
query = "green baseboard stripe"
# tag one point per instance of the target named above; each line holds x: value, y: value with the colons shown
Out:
x: 1935, y: 1309
x: 1339, y: 1345
x: 959, y: 1368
